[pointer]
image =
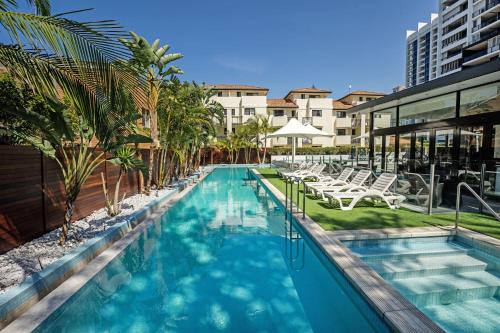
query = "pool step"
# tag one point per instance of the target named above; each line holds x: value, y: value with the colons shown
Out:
x: 449, y: 288
x: 427, y: 265
x: 382, y: 255
x: 481, y: 315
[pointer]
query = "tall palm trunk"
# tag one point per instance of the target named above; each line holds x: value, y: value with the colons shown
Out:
x: 265, y: 151
x: 257, y: 149
x: 153, y: 95
x: 67, y: 220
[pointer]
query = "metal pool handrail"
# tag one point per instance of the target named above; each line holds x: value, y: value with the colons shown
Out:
x: 478, y: 197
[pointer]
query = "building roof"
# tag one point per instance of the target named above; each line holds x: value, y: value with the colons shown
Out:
x: 444, y: 81
x: 363, y: 93
x: 236, y: 87
x: 281, y: 103
x: 338, y: 105
x: 308, y: 91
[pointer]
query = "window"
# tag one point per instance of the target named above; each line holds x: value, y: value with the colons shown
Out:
x: 278, y: 113
x: 294, y: 113
x: 233, y: 112
x: 432, y: 109
x: 233, y: 130
x: 361, y: 99
x: 385, y: 118
x: 480, y: 100
x: 219, y: 94
x: 471, y: 141
x: 313, y: 96
x: 289, y: 141
x: 249, y: 112
x: 341, y: 114
x: 443, y: 150
x: 251, y: 94
x: 317, y: 113
x: 353, y: 131
x: 225, y: 131
x: 225, y: 112
x: 303, y: 96
x: 341, y: 131
x: 495, y: 142
x: 238, y: 94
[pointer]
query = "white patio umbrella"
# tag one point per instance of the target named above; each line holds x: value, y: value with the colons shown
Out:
x: 294, y: 129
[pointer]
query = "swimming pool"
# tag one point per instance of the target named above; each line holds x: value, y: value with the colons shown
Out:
x: 453, y: 280
x: 216, y: 262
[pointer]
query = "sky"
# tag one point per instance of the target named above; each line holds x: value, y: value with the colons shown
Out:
x: 278, y: 44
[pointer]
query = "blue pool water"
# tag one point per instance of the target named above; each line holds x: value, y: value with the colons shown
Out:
x: 216, y: 262
x: 454, y: 281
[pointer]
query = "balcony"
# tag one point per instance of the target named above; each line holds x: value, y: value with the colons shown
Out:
x: 341, y: 140
x: 279, y: 121
x: 307, y: 120
x: 486, y: 23
x: 489, y: 5
x: 343, y: 122
x: 237, y: 120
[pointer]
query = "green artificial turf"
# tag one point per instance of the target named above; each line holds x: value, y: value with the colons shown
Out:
x: 368, y: 216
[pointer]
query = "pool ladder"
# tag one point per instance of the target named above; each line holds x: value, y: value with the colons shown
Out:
x: 293, y: 239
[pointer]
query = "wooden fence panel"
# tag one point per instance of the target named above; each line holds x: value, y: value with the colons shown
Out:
x: 54, y: 196
x: 32, y: 198
x: 91, y: 196
x: 21, y: 205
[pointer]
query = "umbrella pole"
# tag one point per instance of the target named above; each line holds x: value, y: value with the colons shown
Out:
x: 293, y: 151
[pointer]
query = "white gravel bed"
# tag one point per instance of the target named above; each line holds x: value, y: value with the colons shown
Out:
x: 32, y: 257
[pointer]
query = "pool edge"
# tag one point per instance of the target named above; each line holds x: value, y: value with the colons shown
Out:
x: 395, y: 310
x: 19, y: 305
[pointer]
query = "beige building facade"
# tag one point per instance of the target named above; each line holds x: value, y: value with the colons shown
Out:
x: 308, y: 105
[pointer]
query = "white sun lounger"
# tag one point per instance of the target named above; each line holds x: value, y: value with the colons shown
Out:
x: 340, y: 180
x: 311, y: 174
x: 310, y: 167
x: 315, y: 169
x: 379, y: 190
x: 358, y: 181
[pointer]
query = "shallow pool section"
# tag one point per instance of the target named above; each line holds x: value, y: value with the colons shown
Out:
x: 218, y: 261
x: 453, y: 281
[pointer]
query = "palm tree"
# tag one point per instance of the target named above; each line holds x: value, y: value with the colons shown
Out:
x: 260, y: 125
x: 187, y: 117
x: 152, y: 61
x: 70, y: 146
x: 83, y: 63
x: 125, y: 158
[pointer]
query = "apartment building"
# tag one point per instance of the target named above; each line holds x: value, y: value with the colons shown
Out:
x: 464, y: 33
x: 422, y: 52
x: 308, y: 105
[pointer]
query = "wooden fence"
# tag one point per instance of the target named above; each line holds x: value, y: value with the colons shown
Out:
x: 32, y: 193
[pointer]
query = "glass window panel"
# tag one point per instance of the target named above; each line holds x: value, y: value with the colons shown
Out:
x: 443, y: 150
x: 480, y: 100
x: 384, y: 118
x: 404, y: 151
x: 422, y: 145
x: 377, y: 164
x: 495, y: 142
x: 432, y: 109
x: 471, y: 141
x: 390, y: 143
